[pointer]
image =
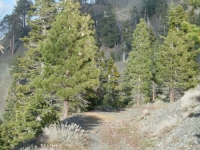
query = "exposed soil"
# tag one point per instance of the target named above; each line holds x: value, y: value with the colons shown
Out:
x: 147, y: 127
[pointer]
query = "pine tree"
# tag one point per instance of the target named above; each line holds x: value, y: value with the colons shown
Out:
x: 107, y: 92
x: 137, y: 75
x: 108, y: 29
x: 176, y: 66
x: 162, y: 12
x: 194, y: 2
x: 177, y: 15
x: 149, y: 7
x: 22, y: 8
x: 127, y: 34
x: 68, y: 53
x: 27, y: 110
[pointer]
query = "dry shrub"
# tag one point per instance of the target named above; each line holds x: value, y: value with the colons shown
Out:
x: 61, y: 137
x: 44, y: 147
x: 64, y: 134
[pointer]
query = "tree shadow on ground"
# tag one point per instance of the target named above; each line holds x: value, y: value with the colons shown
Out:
x: 198, y: 136
x: 85, y: 122
x: 196, y: 115
x: 108, y: 109
x: 198, y: 98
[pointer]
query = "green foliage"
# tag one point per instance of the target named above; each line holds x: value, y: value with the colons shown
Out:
x: 68, y: 53
x: 137, y: 75
x: 149, y: 7
x: 194, y: 2
x: 107, y: 92
x: 162, y: 13
x: 135, y: 15
x: 27, y: 109
x: 161, y: 8
x: 177, y: 15
x: 176, y: 66
x: 108, y: 29
x: 22, y: 7
x: 15, y: 24
x: 127, y: 33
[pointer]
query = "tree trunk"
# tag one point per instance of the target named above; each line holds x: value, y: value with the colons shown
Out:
x: 65, y: 109
x: 124, y: 54
x: 138, y: 94
x: 13, y: 45
x: 171, y: 95
x: 154, y: 92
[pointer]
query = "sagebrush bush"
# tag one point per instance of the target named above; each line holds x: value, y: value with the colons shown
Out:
x: 63, y: 133
x: 44, y: 147
x: 61, y: 137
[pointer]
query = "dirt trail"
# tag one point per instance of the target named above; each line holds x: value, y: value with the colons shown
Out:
x: 97, y: 123
x: 148, y: 127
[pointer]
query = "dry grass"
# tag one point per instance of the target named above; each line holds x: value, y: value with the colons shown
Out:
x: 124, y: 135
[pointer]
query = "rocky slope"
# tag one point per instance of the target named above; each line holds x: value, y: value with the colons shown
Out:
x: 162, y: 126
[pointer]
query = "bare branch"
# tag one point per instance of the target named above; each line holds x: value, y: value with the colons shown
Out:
x: 2, y: 13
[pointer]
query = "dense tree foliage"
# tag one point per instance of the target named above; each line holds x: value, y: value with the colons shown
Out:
x: 63, y: 66
x: 176, y: 64
x: 107, y: 92
x: 108, y: 29
x: 30, y: 104
x: 138, y: 76
x: 68, y: 53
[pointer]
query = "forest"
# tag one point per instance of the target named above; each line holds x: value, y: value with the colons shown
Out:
x: 64, y: 71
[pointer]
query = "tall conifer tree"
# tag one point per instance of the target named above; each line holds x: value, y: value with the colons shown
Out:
x: 137, y: 74
x: 25, y: 103
x: 177, y: 67
x: 107, y: 92
x: 69, y: 56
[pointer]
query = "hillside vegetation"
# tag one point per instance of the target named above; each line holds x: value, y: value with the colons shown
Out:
x: 133, y: 59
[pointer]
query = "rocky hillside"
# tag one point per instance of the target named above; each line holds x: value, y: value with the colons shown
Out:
x: 158, y: 126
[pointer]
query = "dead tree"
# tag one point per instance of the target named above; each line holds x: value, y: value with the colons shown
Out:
x: 1, y: 47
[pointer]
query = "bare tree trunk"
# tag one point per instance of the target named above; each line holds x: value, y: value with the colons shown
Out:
x: 138, y: 94
x: 124, y: 54
x: 66, y: 106
x: 13, y: 45
x: 171, y: 95
x: 1, y: 47
x: 154, y: 92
